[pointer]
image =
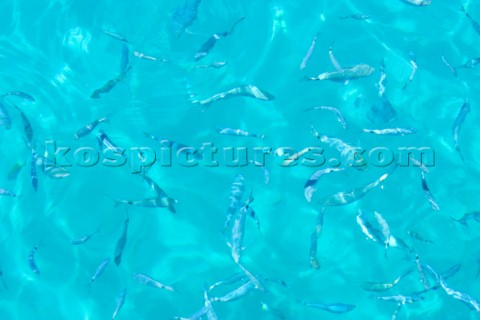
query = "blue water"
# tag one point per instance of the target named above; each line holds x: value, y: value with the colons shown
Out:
x: 57, y: 52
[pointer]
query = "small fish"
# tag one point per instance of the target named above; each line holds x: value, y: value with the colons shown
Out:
x: 381, y: 287
x: 311, y: 184
x: 383, y: 80
x: 100, y: 270
x: 175, y: 145
x: 89, y: 127
x: 348, y: 152
x: 399, y: 299
x: 20, y: 94
x: 469, y: 64
x: 419, y: 3
x: 344, y: 198
x: 242, y: 91
x: 33, y: 172
x: 413, y: 62
x: 423, y: 278
x: 236, y: 193
x: 15, y: 170
x: 146, y: 57
x: 120, y: 302
x: 338, y: 113
x: 106, y: 141
x: 27, y: 126
x: 115, y: 36
x: 273, y: 311
x: 385, y: 229
x: 215, y: 65
x: 5, y: 192
x: 451, y: 272
x: 146, y: 280
x: 474, y: 24
x: 428, y: 194
x: 475, y: 215
x: 5, y: 120
x: 314, y: 239
x: 211, y: 315
x: 334, y: 61
x: 238, y: 132
x: 464, y: 111
x: 256, y: 282
x: 292, y: 158
x: 210, y: 43
x: 84, y: 239
x: 465, y: 298
x: 332, y: 308
x: 350, y: 73
x: 356, y: 16
x: 121, y: 242
x: 236, y: 294
x: 31, y: 260
x: 417, y: 236
x: 449, y: 66
x: 106, y: 88
x: 233, y: 279
x: 309, y: 53
x: 196, y: 316
x: 372, y: 233
x: 391, y: 131
x: 238, y: 231
x: 184, y: 16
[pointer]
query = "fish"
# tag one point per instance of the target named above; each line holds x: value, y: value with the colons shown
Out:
x: 15, y: 170
x: 236, y: 193
x: 399, y: 299
x: 334, y: 61
x: 33, y: 172
x: 231, y: 280
x: 242, y: 91
x: 465, y: 298
x: 291, y: 159
x: 372, y: 233
x: 470, y: 64
x: 344, y: 198
x: 419, y: 3
x: 428, y: 194
x: 175, y: 145
x: 215, y: 65
x: 31, y: 260
x: 146, y: 280
x: 384, y: 228
x: 183, y: 17
x: 27, y: 126
x: 5, y: 120
x: 413, y: 62
x: 391, y: 131
x: 338, y: 113
x: 105, y: 140
x: 210, y: 43
x: 196, y: 316
x: 121, y: 242
x: 462, y: 115
x: 309, y: 53
x: 82, y: 132
x: 99, y: 271
x: 84, y: 239
x: 256, y: 282
x: 474, y: 23
x: 120, y: 302
x: 451, y: 272
x: 417, y: 236
x: 356, y: 16
x: 381, y: 287
x: 348, y: 152
x: 350, y: 73
x: 5, y: 192
x: 311, y: 184
x: 475, y: 215
x: 238, y: 231
x: 273, y: 311
x: 423, y: 278
x: 239, y: 132
x: 314, y: 239
x: 211, y: 315
x: 449, y: 66
x: 237, y: 293
x: 332, y: 308
x: 115, y: 36
x: 20, y: 94
x: 146, y: 57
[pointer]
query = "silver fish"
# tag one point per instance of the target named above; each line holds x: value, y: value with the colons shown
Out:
x: 464, y: 111
x: 332, y: 308
x: 27, y: 126
x: 89, y: 127
x: 391, y: 131
x: 273, y: 311
x: 238, y: 132
x: 417, y: 236
x: 31, y: 260
x: 343, y: 198
x: 372, y: 233
x: 120, y: 302
x: 334, y: 61
x: 399, y: 299
x: 121, y: 242
x: 309, y: 53
x: 233, y: 279
x: 211, y: 315
x: 147, y: 57
x: 100, y: 270
x: 152, y: 202
x: 314, y: 239
x: 385, y: 229
x: 196, y: 316
x: 413, y: 62
x: 356, y: 16
x: 20, y: 94
x: 242, y: 91
x: 338, y: 113
x: 465, y: 298
x: 236, y: 294
x: 381, y: 287
x: 84, y: 238
x: 146, y: 280
x: 423, y: 278
x: 175, y: 145
x: 475, y: 215
x: 236, y: 193
x: 115, y: 35
x: 291, y: 159
x: 470, y: 64
x: 238, y: 231
x: 311, y: 184
x: 349, y: 73
x: 256, y: 282
x: 106, y: 141
x: 474, y: 24
x: 5, y: 192
x: 33, y: 172
x: 382, y: 81
x: 215, y: 65
x: 428, y: 194
x: 449, y: 66
x: 419, y: 3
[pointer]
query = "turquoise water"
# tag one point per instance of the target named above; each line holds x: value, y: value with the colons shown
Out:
x: 57, y: 52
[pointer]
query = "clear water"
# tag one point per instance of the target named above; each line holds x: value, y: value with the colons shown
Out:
x: 56, y: 51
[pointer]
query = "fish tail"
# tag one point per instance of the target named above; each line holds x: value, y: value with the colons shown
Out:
x: 118, y: 203
x: 462, y: 222
x: 305, y: 78
x: 171, y: 203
